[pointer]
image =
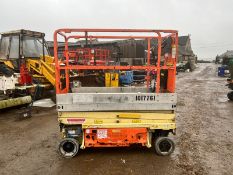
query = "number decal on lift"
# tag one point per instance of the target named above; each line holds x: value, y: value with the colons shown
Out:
x: 145, y: 98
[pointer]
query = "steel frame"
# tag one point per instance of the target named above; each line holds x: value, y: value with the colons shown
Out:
x: 86, y: 33
x: 21, y: 34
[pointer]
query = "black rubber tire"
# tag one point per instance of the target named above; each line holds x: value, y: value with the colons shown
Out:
x: 230, y: 95
x: 70, y: 144
x: 164, y: 146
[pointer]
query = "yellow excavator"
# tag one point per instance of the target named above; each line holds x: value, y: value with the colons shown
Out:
x: 25, y: 67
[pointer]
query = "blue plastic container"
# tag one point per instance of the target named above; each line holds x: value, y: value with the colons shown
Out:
x: 221, y: 71
x: 126, y: 78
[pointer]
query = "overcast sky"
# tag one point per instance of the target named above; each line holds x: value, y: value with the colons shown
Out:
x: 209, y: 22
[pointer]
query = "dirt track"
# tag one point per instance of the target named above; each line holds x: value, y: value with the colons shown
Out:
x: 204, y: 140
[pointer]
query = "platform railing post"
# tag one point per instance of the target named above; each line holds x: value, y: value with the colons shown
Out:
x: 158, y: 63
x: 148, y: 64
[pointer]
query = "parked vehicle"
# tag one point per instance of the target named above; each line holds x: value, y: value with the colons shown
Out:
x: 230, y: 80
x: 25, y: 67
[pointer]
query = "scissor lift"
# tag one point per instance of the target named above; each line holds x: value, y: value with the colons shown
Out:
x: 118, y: 116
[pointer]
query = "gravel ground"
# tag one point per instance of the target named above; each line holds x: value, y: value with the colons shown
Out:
x: 204, y: 140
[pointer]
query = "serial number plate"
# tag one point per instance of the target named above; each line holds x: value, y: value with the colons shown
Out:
x: 145, y: 98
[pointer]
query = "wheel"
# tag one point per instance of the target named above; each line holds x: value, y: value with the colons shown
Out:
x: 68, y: 147
x: 230, y: 95
x: 164, y: 146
